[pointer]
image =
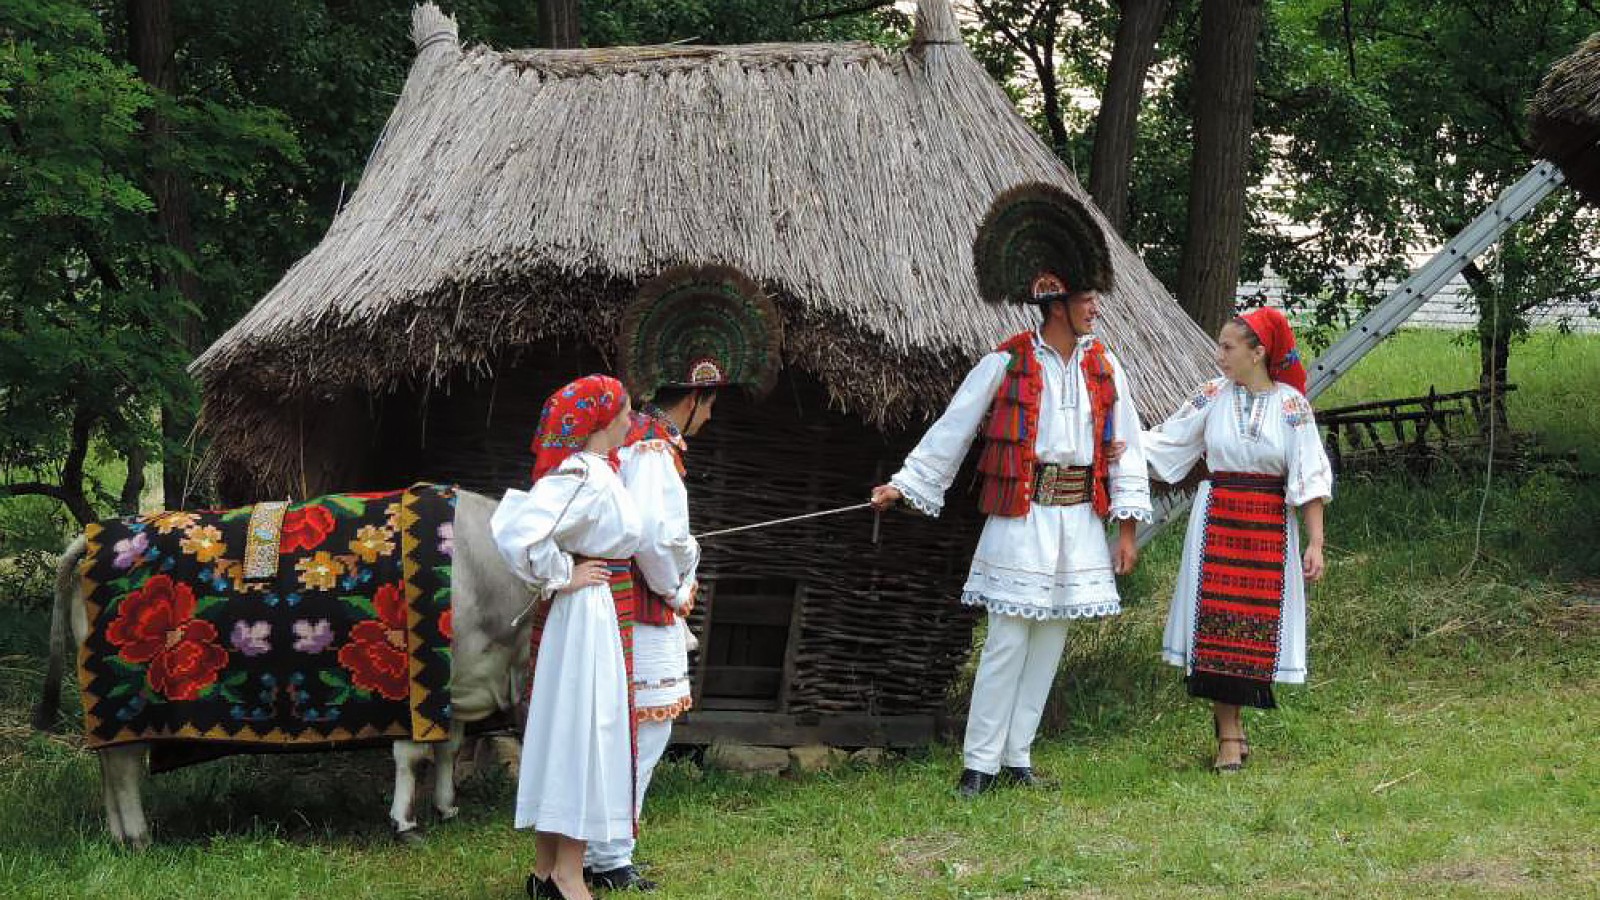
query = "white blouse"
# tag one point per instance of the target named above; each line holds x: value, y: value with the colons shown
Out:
x: 1272, y: 432
x: 580, y: 509
x: 668, y: 554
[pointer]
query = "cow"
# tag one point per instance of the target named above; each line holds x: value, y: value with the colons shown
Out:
x: 489, y: 646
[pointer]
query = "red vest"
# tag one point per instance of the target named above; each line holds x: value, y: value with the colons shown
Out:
x: 1012, y: 428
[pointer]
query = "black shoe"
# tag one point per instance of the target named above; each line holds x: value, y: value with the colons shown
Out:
x: 1024, y: 776
x: 622, y: 878
x: 973, y: 783
x: 538, y: 888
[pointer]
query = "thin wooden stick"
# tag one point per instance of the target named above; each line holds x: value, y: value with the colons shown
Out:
x: 769, y: 523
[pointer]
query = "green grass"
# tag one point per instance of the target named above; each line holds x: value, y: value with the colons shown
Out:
x: 1445, y: 746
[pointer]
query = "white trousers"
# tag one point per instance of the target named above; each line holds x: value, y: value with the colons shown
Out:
x: 1017, y: 666
x: 603, y: 856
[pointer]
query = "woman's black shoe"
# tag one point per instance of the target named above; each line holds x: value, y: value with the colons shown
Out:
x: 541, y: 889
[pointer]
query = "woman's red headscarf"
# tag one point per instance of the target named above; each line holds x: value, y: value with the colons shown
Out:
x: 571, y: 415
x: 1271, y: 327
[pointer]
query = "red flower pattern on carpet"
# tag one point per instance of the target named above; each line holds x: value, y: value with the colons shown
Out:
x: 305, y: 529
x: 376, y: 655
x: 155, y: 624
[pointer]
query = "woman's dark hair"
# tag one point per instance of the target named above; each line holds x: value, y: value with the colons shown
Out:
x: 1251, y: 339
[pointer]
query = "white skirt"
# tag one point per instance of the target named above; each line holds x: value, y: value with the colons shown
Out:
x: 577, y: 755
x: 660, y: 671
x: 1053, y: 563
x: 1177, y: 644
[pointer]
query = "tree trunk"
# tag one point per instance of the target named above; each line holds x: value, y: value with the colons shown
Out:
x: 152, y: 48
x: 1051, y: 90
x: 1117, y: 124
x: 1494, y: 343
x: 560, y: 24
x: 69, y: 492
x: 1225, y: 70
x: 132, y: 488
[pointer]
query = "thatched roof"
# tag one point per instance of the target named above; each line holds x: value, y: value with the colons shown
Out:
x: 520, y: 196
x: 1565, y: 115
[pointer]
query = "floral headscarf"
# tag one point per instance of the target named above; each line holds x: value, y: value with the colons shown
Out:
x: 1272, y: 328
x: 571, y: 415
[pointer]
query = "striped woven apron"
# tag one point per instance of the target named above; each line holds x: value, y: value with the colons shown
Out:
x: 1240, y: 605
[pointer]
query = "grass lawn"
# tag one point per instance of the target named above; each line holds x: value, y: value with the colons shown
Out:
x: 1445, y: 747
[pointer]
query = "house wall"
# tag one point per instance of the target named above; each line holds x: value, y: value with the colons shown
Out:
x: 816, y: 618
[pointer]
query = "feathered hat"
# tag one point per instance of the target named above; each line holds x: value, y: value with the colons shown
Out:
x: 700, y: 327
x: 1038, y: 243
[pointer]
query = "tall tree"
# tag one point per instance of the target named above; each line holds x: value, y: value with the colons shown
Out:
x: 1224, y: 98
x: 1033, y: 30
x: 560, y: 24
x: 84, y: 353
x: 1117, y: 122
x: 152, y: 48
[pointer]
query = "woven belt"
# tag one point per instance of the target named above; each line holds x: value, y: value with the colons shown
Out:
x: 1055, y: 485
x: 1249, y: 481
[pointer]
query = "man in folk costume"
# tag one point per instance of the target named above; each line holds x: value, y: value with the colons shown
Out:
x: 1054, y: 410
x: 690, y: 333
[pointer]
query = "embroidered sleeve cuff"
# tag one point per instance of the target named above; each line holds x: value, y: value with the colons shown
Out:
x: 1130, y: 498
x: 1299, y: 500
x: 546, y: 583
x: 916, y: 492
x: 680, y: 600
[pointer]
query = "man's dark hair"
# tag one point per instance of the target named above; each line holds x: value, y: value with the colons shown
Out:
x: 668, y: 397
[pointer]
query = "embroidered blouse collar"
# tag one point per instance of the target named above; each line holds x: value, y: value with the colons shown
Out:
x: 1039, y: 343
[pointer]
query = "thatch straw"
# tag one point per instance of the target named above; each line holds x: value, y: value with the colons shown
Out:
x: 1565, y: 115
x: 519, y: 196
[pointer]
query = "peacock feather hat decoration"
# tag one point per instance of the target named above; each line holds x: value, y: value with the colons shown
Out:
x: 700, y: 327
x: 1038, y: 242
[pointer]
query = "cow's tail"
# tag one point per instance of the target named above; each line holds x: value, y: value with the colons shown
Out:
x: 67, y: 584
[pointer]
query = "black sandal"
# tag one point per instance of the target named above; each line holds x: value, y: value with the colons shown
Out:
x: 1229, y: 768
x: 1216, y: 731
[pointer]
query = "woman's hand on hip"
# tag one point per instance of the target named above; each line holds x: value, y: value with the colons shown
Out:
x: 588, y: 573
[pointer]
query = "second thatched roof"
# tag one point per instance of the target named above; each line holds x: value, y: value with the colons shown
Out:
x: 521, y: 196
x: 1565, y: 115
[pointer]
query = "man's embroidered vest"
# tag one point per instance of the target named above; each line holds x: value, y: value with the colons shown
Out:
x: 1008, y: 461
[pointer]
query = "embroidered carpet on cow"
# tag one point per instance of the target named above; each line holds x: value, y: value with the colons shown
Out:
x: 345, y: 640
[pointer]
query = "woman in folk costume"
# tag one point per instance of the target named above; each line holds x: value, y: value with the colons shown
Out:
x: 570, y: 537
x: 691, y: 332
x: 1050, y: 404
x: 1238, y: 617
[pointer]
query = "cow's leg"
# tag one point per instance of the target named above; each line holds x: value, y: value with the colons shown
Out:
x: 121, y: 772
x: 444, y: 773
x: 407, y: 754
